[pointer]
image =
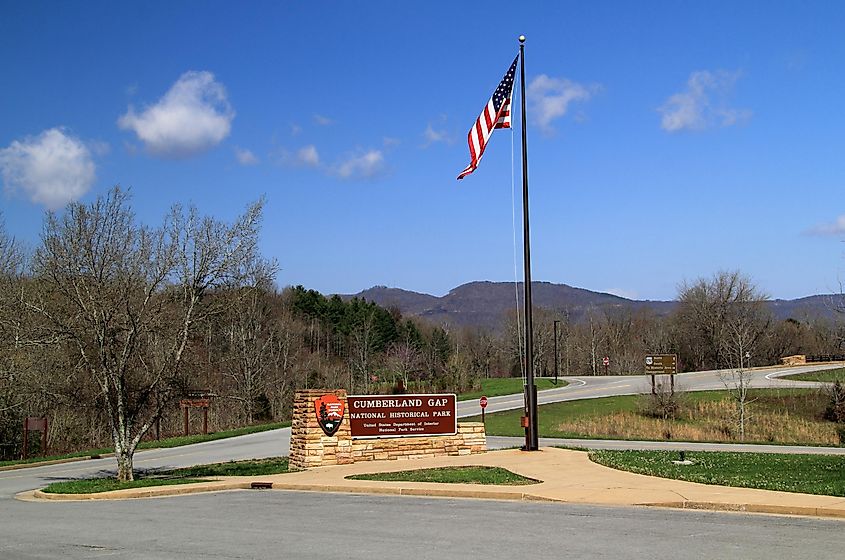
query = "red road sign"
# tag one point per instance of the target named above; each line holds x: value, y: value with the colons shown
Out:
x: 483, y: 402
x: 606, y: 361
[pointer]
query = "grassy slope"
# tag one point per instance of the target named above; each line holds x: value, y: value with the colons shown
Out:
x: 828, y: 375
x: 507, y: 423
x: 810, y: 474
x: 177, y: 441
x: 496, y: 387
x: 797, y: 403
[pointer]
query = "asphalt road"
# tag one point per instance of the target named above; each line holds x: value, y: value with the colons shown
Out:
x: 271, y: 524
x: 272, y: 443
x: 592, y: 387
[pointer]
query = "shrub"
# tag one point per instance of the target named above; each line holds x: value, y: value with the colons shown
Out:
x: 663, y: 403
x: 835, y: 411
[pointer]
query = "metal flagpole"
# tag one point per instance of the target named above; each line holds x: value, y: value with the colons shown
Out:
x: 531, y: 433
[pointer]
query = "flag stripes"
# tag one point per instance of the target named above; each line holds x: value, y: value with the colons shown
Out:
x: 496, y: 114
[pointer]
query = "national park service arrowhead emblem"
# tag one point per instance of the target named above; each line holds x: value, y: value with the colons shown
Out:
x: 329, y: 413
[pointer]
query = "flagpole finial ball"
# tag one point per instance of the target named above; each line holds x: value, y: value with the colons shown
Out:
x: 522, y: 38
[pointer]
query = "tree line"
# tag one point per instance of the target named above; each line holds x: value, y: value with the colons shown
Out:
x: 109, y: 322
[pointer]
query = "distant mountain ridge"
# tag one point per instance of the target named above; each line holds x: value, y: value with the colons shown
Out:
x: 483, y: 303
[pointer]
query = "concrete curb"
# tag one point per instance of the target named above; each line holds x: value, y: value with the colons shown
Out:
x: 148, y: 492
x: 753, y: 508
x: 434, y: 492
x: 443, y: 492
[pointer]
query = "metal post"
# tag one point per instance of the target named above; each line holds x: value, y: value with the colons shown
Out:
x: 557, y: 360
x: 205, y: 420
x: 186, y: 420
x: 531, y: 435
x: 25, y: 439
x: 44, y: 439
x: 158, y: 414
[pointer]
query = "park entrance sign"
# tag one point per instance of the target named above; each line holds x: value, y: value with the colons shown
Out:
x: 402, y: 415
x: 330, y: 428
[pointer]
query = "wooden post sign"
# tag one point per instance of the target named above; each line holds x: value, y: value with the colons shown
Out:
x: 200, y: 398
x: 34, y: 423
x: 661, y: 364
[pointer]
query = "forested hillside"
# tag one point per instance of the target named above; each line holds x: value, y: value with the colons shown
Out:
x: 108, y: 323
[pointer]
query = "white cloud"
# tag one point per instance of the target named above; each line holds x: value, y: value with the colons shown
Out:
x: 550, y: 98
x: 192, y: 117
x: 390, y: 141
x: 245, y: 157
x: 295, y: 129
x: 52, y: 169
x: 703, y: 104
x: 306, y: 156
x: 366, y: 165
x: 323, y: 120
x: 432, y: 135
x: 837, y: 228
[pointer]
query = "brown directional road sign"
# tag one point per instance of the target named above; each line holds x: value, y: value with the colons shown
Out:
x: 661, y: 364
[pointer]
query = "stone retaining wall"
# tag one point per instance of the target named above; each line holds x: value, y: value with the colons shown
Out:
x: 310, y: 447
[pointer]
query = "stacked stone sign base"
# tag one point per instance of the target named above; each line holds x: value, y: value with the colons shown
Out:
x: 310, y: 447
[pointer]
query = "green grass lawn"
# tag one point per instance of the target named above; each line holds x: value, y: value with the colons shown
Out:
x: 778, y: 416
x: 828, y: 376
x: 452, y: 475
x: 250, y: 467
x: 497, y: 386
x: 97, y: 485
x: 809, y: 474
x: 188, y: 475
x: 160, y: 444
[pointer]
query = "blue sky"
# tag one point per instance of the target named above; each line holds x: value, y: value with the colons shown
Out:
x: 667, y: 140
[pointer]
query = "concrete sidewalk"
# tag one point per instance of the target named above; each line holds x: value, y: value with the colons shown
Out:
x: 567, y: 476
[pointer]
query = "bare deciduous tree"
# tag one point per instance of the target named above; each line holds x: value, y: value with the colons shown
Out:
x: 727, y: 316
x: 125, y: 299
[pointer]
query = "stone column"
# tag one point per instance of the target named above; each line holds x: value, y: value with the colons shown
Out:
x: 309, y: 446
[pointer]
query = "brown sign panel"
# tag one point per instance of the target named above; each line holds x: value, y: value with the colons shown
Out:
x: 661, y: 364
x: 195, y: 403
x: 373, y: 416
x: 35, y: 423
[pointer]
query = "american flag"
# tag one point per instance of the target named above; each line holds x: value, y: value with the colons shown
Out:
x: 496, y: 114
